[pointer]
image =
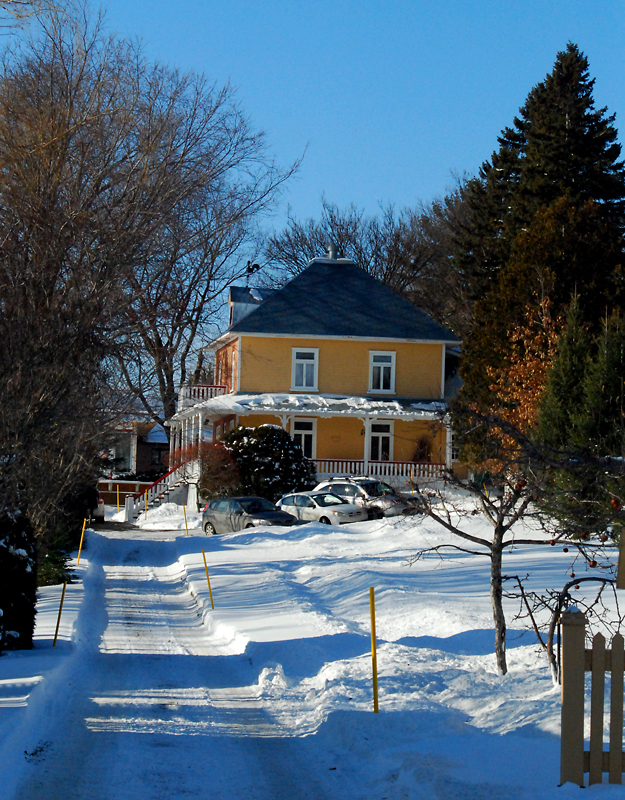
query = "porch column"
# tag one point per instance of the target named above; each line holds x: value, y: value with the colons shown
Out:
x: 367, y: 424
x: 448, y: 444
x: 172, y: 444
x: 133, y: 450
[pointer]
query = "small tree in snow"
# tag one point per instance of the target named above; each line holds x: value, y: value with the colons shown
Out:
x: 503, y: 501
x: 269, y: 462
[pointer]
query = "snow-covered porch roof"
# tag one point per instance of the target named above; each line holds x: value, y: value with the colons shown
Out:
x: 319, y: 405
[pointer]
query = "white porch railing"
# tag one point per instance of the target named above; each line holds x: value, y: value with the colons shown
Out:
x: 192, y: 395
x: 406, y: 470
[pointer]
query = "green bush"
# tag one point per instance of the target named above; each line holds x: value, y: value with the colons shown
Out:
x: 268, y: 461
x: 18, y: 582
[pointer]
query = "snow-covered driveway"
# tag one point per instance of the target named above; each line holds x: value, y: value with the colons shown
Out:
x: 151, y: 694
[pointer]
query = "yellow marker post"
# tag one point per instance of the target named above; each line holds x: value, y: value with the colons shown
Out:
x: 184, y: 510
x: 118, y: 498
x: 82, y: 536
x: 58, y: 622
x: 374, y: 655
x: 210, y: 591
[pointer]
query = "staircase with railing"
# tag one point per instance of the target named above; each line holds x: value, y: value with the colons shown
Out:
x: 161, y: 490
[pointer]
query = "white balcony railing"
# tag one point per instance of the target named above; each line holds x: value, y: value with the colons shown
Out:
x: 406, y: 470
x: 192, y: 395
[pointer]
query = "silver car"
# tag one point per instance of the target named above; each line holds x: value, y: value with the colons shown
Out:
x: 378, y: 498
x: 321, y: 507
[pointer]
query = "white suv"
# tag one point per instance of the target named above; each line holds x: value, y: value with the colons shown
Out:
x: 380, y: 499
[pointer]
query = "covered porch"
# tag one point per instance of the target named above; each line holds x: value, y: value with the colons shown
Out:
x: 398, y: 441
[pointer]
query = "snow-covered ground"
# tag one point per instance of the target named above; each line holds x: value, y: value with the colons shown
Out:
x: 152, y: 694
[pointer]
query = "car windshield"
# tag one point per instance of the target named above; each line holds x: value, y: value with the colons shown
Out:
x: 254, y: 505
x: 328, y: 500
x: 377, y: 489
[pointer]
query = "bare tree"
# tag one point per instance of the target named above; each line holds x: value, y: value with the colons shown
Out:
x: 173, y: 291
x: 502, y: 504
x: 16, y: 12
x: 412, y: 250
x: 104, y: 156
x: 511, y: 479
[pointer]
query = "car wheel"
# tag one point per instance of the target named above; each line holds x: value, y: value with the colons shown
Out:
x: 325, y: 520
x: 209, y: 529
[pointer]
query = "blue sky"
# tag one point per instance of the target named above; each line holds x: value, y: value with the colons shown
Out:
x: 387, y: 97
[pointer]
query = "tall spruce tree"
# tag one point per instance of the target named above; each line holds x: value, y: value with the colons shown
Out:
x: 563, y: 396
x: 599, y: 424
x: 581, y: 426
x: 547, y: 217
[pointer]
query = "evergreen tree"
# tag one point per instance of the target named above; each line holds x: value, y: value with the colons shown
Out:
x: 564, y: 391
x: 547, y: 218
x: 581, y: 425
x: 599, y: 422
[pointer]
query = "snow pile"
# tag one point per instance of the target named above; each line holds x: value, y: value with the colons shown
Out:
x: 168, y: 517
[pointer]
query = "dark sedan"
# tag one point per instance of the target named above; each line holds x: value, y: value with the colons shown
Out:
x: 224, y: 515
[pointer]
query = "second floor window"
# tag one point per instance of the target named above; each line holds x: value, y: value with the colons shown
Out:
x: 305, y: 369
x: 382, y: 371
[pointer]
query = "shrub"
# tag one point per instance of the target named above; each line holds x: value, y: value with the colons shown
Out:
x: 18, y: 589
x: 220, y: 475
x: 269, y: 462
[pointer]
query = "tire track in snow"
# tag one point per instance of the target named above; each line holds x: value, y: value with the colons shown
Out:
x: 147, y: 711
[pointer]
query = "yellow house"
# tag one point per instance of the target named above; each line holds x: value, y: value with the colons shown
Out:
x: 355, y: 374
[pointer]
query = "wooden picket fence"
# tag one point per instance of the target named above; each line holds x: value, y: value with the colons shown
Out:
x: 576, y: 661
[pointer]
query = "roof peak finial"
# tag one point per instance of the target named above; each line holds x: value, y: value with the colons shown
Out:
x: 332, y: 251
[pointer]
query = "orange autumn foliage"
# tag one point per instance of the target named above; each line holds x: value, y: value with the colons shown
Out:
x: 519, y: 382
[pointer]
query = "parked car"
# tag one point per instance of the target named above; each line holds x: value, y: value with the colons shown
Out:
x: 325, y: 507
x: 380, y: 499
x: 227, y: 514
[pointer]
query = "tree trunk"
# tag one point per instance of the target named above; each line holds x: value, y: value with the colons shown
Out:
x: 496, y: 600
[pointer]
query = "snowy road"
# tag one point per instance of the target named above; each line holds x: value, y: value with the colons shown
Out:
x: 143, y: 668
x: 151, y: 694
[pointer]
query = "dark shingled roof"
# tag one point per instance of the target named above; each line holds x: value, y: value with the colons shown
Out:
x: 246, y: 294
x: 338, y: 298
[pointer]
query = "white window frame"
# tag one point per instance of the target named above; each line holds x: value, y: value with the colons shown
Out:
x: 315, y: 361
x: 391, y: 435
x: 372, y: 355
x: 313, y: 431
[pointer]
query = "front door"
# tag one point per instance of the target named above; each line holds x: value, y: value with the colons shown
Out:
x: 381, y: 441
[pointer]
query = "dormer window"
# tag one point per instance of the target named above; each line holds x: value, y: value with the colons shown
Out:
x: 305, y: 368
x: 382, y: 371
